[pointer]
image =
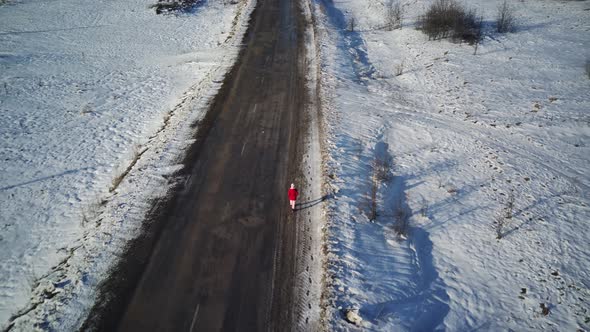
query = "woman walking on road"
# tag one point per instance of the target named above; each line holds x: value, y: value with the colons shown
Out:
x: 293, y: 193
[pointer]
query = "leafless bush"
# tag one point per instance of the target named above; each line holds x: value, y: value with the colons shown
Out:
x: 499, y: 226
x: 401, y: 222
x: 394, y: 16
x: 509, y: 205
x: 381, y: 168
x: 424, y: 208
x: 169, y: 6
x: 504, y: 217
x: 380, y: 172
x: 399, y: 68
x: 505, y: 18
x: 544, y: 309
x: 447, y: 18
x: 371, y: 209
x: 439, y: 181
x: 467, y: 28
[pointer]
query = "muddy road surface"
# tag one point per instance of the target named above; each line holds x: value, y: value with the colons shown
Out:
x: 223, y: 260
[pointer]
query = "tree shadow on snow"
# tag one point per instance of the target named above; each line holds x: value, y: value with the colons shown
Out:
x: 426, y: 305
x: 50, y: 30
x: 386, y: 266
x: 68, y: 172
x: 423, y: 304
x: 353, y: 42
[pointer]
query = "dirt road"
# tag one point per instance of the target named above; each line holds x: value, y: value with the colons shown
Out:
x: 224, y: 258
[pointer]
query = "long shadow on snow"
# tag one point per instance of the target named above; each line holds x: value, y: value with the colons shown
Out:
x: 44, y: 178
x: 423, y: 303
x: 400, y: 274
x: 426, y: 306
x: 311, y: 202
x: 420, y: 303
x: 353, y: 41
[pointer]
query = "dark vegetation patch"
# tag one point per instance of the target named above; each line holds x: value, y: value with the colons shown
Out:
x: 449, y: 19
x: 505, y: 21
x: 172, y: 6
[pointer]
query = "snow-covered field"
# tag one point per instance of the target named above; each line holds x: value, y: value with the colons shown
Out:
x: 464, y: 134
x: 90, y: 91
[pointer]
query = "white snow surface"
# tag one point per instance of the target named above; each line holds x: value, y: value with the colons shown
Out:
x: 87, y: 88
x: 463, y: 131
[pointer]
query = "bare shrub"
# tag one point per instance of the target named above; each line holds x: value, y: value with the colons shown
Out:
x: 505, y: 18
x: 371, y: 210
x: 544, y: 309
x: 381, y: 167
x: 169, y: 6
x: 424, y: 208
x: 399, y: 68
x: 447, y: 18
x: 380, y: 173
x: 401, y: 222
x: 499, y: 226
x: 467, y: 28
x: 394, y: 16
x: 504, y: 217
x: 509, y: 205
x: 439, y: 181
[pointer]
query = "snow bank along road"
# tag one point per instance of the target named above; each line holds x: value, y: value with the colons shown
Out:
x: 224, y: 257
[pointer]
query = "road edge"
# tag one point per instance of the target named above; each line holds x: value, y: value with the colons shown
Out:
x: 308, y: 297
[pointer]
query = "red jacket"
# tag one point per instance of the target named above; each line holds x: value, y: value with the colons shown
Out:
x: 293, y: 194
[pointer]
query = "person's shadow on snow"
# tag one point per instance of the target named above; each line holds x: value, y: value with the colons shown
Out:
x: 311, y: 203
